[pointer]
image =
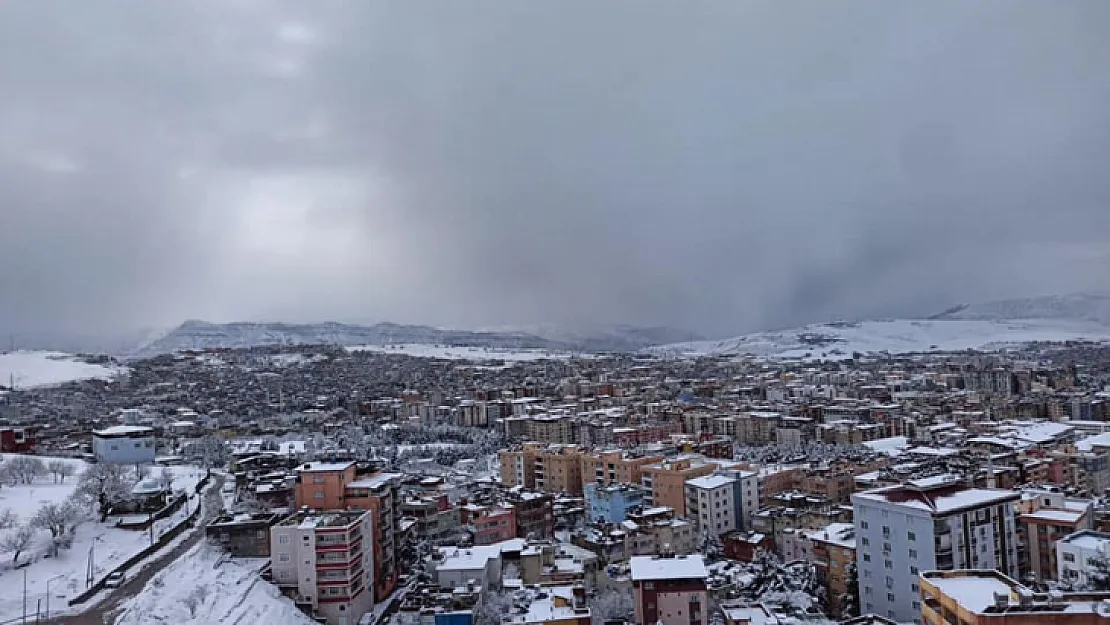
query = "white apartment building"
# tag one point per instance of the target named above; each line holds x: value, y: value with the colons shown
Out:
x: 747, y: 483
x: 930, y: 524
x: 325, y: 559
x: 712, y: 505
x: 1076, y: 556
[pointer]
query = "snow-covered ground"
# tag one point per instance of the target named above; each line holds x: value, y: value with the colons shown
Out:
x: 108, y: 544
x: 206, y: 588
x: 839, y: 340
x: 464, y: 353
x: 29, y: 369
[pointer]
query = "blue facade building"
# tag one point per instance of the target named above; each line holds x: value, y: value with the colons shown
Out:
x: 612, y: 503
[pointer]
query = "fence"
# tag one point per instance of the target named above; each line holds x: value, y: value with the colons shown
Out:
x: 162, y: 541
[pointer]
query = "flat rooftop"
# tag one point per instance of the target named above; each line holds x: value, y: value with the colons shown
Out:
x: 311, y: 520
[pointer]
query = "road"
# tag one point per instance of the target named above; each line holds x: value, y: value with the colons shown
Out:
x: 104, y: 613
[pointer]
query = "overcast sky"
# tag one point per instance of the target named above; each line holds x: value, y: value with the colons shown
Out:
x: 722, y: 166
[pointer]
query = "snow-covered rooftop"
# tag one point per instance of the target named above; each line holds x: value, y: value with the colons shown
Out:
x: 123, y: 430
x: 973, y: 592
x: 310, y: 467
x: 710, y: 481
x: 653, y: 567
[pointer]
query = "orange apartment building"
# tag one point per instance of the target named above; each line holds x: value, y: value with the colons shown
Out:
x: 1045, y: 519
x: 543, y: 468
x: 336, y: 486
x: 834, y: 551
x: 667, y: 480
x: 991, y: 598
x: 613, y: 467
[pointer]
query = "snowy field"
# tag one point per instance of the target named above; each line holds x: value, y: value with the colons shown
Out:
x: 893, y: 336
x: 109, y: 545
x: 205, y: 588
x: 465, y: 353
x: 30, y: 369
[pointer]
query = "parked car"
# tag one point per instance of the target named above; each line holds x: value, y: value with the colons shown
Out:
x: 115, y: 580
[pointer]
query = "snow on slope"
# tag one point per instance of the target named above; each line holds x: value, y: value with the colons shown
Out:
x: 1076, y: 307
x: 227, y: 591
x: 30, y: 369
x: 464, y: 353
x: 839, y: 340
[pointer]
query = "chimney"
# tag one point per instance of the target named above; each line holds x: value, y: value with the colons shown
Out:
x: 1001, y: 600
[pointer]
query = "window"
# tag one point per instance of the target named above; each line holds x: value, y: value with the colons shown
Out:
x: 887, y: 564
x: 911, y: 536
x: 890, y: 597
x: 283, y: 539
x: 916, y: 605
x: 1069, y: 557
x: 865, y: 541
x: 866, y: 557
x: 283, y: 557
x: 913, y: 570
x: 867, y: 590
x: 913, y: 553
x: 863, y: 524
x: 886, y: 531
x: 649, y: 586
x: 914, y: 587
x: 319, y: 494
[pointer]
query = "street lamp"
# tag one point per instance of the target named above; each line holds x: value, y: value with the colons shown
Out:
x: 48, y: 593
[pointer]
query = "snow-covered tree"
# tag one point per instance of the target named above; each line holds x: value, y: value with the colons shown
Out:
x: 611, y: 604
x: 59, y: 520
x: 492, y: 607
x: 1098, y: 579
x: 8, y: 519
x: 24, y: 469
x: 102, y: 484
x: 17, y: 540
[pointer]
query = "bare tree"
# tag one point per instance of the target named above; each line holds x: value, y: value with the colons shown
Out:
x: 493, y: 607
x: 24, y: 469
x: 66, y: 470
x: 191, y: 602
x: 56, y: 467
x: 166, y: 478
x: 17, y: 541
x: 8, y: 519
x: 611, y: 605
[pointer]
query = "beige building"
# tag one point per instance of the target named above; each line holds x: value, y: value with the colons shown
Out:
x: 551, y: 429
x: 324, y: 559
x: 543, y: 468
x: 613, y: 467
x: 667, y: 480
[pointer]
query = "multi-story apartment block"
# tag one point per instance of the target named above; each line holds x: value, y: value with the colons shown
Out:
x: 927, y: 525
x: 545, y: 468
x: 612, y: 503
x: 535, y: 514
x: 322, y: 560
x: 1047, y: 517
x: 984, y: 597
x: 712, y: 505
x: 670, y: 590
x: 380, y: 493
x: 615, y: 467
x: 667, y: 480
x: 833, y: 550
x: 1081, y: 554
x: 551, y: 429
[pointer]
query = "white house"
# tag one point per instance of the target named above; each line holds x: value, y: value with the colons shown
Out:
x: 124, y: 444
x: 1077, y: 554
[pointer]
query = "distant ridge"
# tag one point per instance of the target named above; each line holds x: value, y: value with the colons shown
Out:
x: 197, y: 335
x: 1087, y: 306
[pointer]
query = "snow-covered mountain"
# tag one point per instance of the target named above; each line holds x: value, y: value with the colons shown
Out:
x: 1092, y: 306
x: 193, y: 335
x: 841, y: 339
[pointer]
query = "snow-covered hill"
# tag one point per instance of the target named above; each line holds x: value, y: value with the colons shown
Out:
x: 1075, y: 307
x: 207, y: 588
x: 196, y: 335
x: 840, y: 340
x: 29, y: 369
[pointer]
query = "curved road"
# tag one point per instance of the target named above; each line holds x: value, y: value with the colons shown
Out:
x: 104, y: 612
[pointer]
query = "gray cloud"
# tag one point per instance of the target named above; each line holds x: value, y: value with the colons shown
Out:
x: 719, y: 165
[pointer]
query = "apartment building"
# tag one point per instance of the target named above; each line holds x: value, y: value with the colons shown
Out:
x: 612, y: 503
x: 553, y: 429
x: 1079, y: 555
x: 667, y: 480
x: 615, y: 467
x: 670, y: 590
x: 656, y: 530
x: 927, y: 525
x: 1045, y: 519
x: 322, y: 485
x: 380, y: 494
x: 983, y: 597
x: 544, y: 468
x: 712, y: 505
x: 321, y: 560
x: 834, y: 552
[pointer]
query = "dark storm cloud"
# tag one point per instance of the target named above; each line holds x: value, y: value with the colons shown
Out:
x: 719, y: 165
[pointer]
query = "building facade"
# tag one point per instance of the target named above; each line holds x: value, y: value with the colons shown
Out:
x: 124, y: 444
x: 322, y: 560
x: 670, y: 590
x: 928, y: 525
x: 711, y: 504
